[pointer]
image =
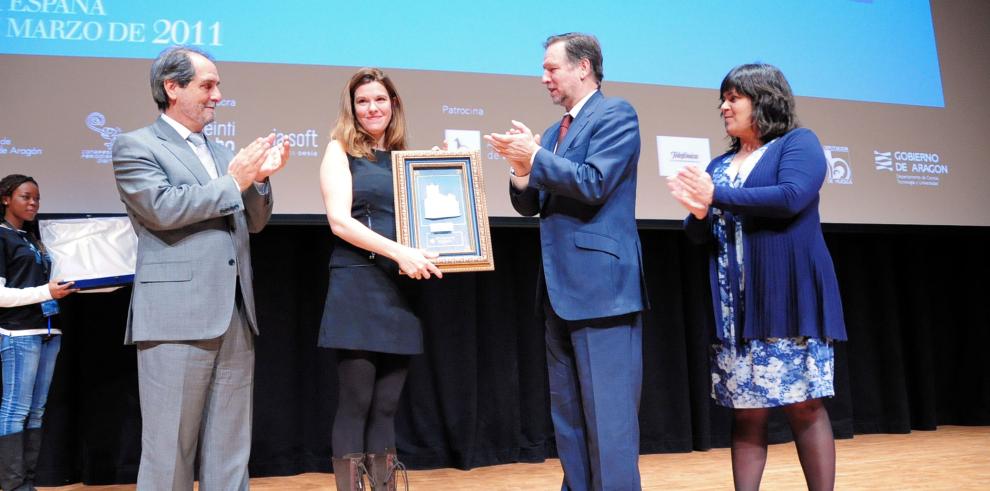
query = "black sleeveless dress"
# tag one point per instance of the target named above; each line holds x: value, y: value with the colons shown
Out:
x: 368, y: 302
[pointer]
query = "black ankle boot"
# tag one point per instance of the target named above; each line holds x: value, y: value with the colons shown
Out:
x: 12, y: 462
x: 384, y: 469
x: 349, y: 472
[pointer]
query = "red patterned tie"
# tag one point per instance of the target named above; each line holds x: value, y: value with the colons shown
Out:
x: 564, y: 125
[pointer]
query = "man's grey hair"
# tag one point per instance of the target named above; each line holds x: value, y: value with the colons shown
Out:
x: 579, y: 46
x: 172, y: 64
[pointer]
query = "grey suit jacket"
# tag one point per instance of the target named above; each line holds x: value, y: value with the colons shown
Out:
x: 192, y: 236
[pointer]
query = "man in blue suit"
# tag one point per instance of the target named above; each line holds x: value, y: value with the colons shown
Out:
x: 582, y: 182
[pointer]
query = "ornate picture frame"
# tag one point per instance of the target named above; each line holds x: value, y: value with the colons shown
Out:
x: 440, y: 206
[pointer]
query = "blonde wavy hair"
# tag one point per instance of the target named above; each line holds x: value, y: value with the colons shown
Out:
x: 352, y: 137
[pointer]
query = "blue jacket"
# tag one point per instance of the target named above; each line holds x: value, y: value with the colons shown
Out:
x: 586, y: 197
x: 791, y: 289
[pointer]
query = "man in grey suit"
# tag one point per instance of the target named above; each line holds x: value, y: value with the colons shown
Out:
x: 192, y: 203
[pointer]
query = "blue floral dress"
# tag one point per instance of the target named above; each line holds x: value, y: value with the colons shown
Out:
x: 761, y: 372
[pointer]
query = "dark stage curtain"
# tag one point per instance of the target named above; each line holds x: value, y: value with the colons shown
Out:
x: 914, y: 305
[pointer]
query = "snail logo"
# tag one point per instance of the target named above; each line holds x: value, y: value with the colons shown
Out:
x: 839, y: 170
x: 98, y: 123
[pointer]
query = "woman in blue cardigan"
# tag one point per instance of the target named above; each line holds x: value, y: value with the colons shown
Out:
x: 776, y: 298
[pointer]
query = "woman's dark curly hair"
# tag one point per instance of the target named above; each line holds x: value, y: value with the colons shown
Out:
x: 773, y: 101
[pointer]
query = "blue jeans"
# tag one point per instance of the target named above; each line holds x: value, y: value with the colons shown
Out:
x: 28, y: 366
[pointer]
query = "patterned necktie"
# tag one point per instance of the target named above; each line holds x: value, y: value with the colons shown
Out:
x: 564, y: 125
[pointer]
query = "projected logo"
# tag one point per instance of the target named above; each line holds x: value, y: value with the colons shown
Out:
x: 912, y: 168
x: 675, y: 152
x: 97, y: 122
x: 881, y: 161
x: 302, y: 143
x: 462, y: 139
x: 839, y: 170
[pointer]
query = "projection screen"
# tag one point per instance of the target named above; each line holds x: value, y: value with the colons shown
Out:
x: 898, y: 123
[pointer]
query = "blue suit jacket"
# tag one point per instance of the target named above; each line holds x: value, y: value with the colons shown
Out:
x: 586, y: 197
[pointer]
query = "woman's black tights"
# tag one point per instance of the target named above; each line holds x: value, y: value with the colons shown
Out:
x: 370, y: 385
x: 812, y: 435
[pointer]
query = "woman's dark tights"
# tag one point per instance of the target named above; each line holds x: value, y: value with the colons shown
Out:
x: 370, y: 385
x: 812, y: 435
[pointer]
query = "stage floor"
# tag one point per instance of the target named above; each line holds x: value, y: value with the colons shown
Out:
x: 953, y: 457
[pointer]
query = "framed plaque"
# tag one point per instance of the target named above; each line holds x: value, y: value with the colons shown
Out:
x: 440, y: 207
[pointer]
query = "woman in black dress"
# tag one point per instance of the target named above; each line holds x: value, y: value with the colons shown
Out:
x: 367, y: 318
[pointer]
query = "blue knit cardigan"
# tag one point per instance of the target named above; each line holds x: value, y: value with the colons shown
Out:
x: 791, y: 289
